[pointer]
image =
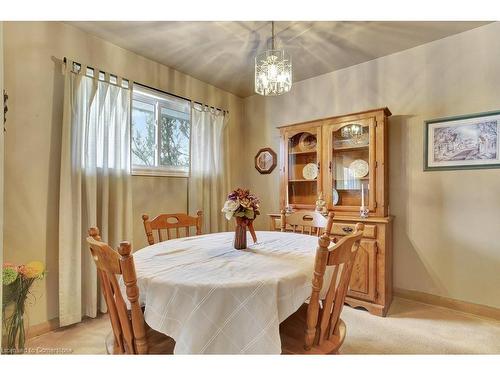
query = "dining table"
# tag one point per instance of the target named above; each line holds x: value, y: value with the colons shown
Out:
x: 213, y: 299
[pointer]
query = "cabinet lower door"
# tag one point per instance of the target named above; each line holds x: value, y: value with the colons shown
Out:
x: 363, y: 284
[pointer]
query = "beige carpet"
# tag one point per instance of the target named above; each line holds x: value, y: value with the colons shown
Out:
x: 409, y: 328
x: 416, y: 328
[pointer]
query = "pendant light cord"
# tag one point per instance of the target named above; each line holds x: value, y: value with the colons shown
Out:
x: 272, y: 37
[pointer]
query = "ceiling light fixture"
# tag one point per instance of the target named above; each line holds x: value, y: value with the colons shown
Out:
x: 273, y: 71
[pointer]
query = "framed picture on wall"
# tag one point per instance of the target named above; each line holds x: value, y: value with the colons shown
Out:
x: 265, y: 160
x: 462, y: 142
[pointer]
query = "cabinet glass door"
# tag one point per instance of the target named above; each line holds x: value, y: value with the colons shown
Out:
x: 351, y: 165
x: 302, y: 173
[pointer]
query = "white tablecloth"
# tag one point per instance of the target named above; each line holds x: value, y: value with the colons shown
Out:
x: 212, y: 298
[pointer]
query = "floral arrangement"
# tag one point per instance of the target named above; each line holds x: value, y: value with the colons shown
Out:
x: 16, y: 282
x: 240, y: 203
x: 244, y: 207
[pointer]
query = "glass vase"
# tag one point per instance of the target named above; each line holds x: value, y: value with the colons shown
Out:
x: 13, y: 324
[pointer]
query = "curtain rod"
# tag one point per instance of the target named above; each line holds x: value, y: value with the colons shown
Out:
x: 165, y: 92
x: 180, y: 97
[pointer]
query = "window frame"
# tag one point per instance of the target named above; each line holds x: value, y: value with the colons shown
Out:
x: 159, y: 100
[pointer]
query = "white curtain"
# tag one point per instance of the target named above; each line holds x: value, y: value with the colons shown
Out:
x: 95, y: 186
x: 207, y: 182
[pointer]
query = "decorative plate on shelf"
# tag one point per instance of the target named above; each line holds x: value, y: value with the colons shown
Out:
x: 310, y: 171
x: 307, y: 142
x: 359, y: 168
x: 335, y: 197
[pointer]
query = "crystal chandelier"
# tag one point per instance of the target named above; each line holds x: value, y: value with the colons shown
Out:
x: 273, y: 71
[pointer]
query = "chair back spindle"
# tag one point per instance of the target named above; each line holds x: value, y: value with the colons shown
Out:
x: 169, y: 226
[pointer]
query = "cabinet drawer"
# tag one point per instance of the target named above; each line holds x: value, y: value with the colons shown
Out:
x: 342, y: 229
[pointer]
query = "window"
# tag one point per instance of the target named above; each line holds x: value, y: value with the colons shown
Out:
x: 160, y: 133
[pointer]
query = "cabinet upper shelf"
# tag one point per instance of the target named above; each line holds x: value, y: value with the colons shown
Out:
x: 351, y: 148
x: 302, y: 152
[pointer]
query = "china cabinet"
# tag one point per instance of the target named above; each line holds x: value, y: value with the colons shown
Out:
x: 346, y: 159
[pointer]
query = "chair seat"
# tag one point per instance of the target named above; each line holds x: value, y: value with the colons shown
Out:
x: 158, y: 343
x: 292, y: 335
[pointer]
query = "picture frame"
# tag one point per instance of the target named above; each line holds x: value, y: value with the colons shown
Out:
x: 266, y: 160
x: 462, y: 142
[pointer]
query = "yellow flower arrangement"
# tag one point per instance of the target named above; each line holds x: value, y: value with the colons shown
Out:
x: 34, y: 269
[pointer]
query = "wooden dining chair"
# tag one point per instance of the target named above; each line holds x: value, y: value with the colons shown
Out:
x: 305, y: 222
x: 316, y: 328
x: 130, y: 333
x: 170, y: 222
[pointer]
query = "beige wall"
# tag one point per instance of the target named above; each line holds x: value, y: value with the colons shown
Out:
x: 1, y: 154
x: 446, y: 226
x: 35, y: 85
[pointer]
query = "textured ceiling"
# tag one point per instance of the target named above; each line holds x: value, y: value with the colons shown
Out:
x: 222, y: 53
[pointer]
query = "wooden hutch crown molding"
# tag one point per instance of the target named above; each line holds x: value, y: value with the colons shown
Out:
x: 385, y: 110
